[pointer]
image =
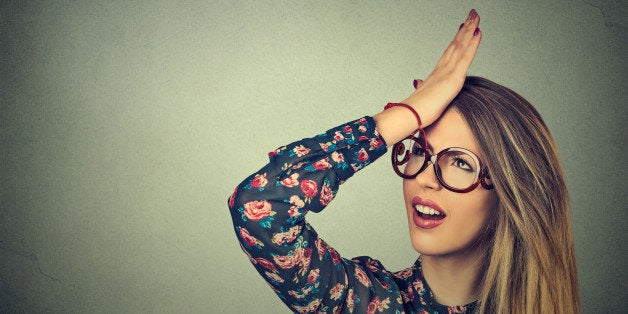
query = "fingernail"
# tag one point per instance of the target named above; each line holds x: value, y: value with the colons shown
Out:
x: 461, y: 25
x: 476, y: 32
x: 472, y: 14
x: 415, y: 83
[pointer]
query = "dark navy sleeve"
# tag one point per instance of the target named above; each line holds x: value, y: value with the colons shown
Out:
x: 268, y: 212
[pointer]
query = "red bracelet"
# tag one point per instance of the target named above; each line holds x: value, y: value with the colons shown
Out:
x: 416, y: 115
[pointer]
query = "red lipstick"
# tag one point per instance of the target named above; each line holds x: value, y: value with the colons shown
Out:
x: 426, y: 214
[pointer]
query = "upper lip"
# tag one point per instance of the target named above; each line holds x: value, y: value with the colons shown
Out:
x: 425, y: 202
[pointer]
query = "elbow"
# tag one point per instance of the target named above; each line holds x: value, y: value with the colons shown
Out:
x: 232, y: 199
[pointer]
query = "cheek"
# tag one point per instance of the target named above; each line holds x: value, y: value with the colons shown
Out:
x: 474, y: 208
x: 481, y: 206
x: 491, y: 201
x: 407, y: 188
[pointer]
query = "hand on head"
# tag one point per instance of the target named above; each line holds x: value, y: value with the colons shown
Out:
x: 432, y: 96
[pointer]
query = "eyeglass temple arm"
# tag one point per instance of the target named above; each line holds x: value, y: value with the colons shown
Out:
x: 484, y: 176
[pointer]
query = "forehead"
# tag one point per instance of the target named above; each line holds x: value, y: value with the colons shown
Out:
x: 451, y: 130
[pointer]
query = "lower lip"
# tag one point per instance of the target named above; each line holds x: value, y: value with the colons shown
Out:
x: 425, y: 223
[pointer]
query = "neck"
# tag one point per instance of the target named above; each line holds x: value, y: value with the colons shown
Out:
x: 454, y: 279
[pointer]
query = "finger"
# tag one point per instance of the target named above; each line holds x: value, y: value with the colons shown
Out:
x: 467, y: 29
x: 467, y: 38
x: 463, y: 37
x: 470, y: 24
x: 470, y: 43
x: 469, y: 54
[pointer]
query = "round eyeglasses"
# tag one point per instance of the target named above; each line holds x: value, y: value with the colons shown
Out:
x: 457, y: 169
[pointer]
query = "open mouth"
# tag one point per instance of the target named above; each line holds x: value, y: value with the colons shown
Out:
x: 427, y: 212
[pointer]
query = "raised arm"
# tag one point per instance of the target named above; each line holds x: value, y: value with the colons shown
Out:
x: 268, y: 207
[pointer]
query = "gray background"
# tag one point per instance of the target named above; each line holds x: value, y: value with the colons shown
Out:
x: 126, y: 125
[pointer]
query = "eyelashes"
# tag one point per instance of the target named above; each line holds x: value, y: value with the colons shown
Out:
x: 459, y: 162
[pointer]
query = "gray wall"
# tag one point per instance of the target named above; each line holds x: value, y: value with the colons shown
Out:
x: 125, y: 127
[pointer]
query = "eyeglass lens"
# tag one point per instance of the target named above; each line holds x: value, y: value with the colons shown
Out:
x: 456, y: 168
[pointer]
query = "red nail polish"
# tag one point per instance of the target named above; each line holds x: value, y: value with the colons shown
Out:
x: 461, y: 25
x: 415, y: 83
x: 472, y: 14
x: 476, y: 32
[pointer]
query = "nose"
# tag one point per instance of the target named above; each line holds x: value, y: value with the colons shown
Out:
x: 427, y: 178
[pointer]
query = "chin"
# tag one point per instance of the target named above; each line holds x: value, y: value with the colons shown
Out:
x: 430, y: 248
x: 423, y: 245
x: 422, y: 250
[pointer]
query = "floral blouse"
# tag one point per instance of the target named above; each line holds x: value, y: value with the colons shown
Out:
x: 268, y: 211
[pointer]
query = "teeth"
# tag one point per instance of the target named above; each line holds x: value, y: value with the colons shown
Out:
x: 426, y: 210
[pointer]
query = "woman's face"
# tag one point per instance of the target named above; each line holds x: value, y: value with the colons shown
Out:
x: 464, y: 215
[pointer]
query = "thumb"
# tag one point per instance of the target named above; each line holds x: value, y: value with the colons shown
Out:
x: 416, y: 83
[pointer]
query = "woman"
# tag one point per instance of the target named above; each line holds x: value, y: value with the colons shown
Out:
x: 484, y: 192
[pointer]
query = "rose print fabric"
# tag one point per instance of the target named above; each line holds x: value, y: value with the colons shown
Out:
x: 268, y: 211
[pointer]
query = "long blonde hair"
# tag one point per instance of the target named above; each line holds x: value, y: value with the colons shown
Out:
x: 530, y: 264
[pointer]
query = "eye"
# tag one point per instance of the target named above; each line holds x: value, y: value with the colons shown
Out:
x: 417, y: 150
x: 462, y: 164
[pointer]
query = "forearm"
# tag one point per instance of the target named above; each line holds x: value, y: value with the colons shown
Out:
x: 268, y: 210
